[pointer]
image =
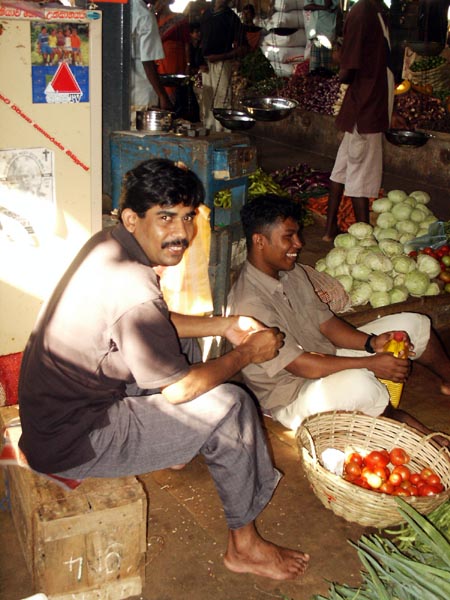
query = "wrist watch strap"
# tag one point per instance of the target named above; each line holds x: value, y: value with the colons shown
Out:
x: 368, y: 345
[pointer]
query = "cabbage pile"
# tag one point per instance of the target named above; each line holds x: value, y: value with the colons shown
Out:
x: 370, y: 262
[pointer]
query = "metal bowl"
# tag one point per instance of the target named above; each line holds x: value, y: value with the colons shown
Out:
x: 154, y: 119
x: 173, y: 79
x: 236, y: 120
x: 405, y: 137
x: 269, y: 109
x: 426, y: 48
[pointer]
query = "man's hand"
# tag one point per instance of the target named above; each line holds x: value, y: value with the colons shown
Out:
x: 240, y: 328
x: 263, y: 345
x: 386, y: 366
x: 378, y: 342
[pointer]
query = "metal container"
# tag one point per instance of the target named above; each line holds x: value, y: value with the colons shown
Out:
x: 154, y: 119
x: 174, y: 79
x: 269, y: 109
x: 235, y: 120
x: 405, y: 137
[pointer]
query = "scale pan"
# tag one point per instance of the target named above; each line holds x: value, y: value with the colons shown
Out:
x: 174, y: 79
x: 269, y: 109
x: 236, y: 120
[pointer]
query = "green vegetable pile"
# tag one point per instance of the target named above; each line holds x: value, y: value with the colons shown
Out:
x: 255, y: 67
x: 392, y: 574
x: 427, y: 62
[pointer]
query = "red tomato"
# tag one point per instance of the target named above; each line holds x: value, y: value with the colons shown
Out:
x: 395, y: 478
x: 405, y: 484
x: 413, y: 254
x: 382, y: 472
x: 445, y: 248
x: 415, y: 478
x: 398, y: 491
x: 398, y: 456
x: 386, y: 487
x: 413, y: 490
x: 352, y: 469
x: 362, y: 483
x: 355, y: 457
x: 403, y: 471
x: 433, y: 479
x: 445, y: 275
x: 376, y: 459
x: 425, y: 473
x: 428, y: 250
x: 428, y: 490
x: 372, y: 478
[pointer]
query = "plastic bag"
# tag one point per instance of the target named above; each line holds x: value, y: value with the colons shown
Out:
x: 435, y: 238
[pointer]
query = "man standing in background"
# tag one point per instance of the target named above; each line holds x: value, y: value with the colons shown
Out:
x: 223, y: 40
x: 365, y: 113
x: 146, y: 48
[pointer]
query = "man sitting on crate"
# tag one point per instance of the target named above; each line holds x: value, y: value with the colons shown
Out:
x: 325, y: 364
x: 106, y: 389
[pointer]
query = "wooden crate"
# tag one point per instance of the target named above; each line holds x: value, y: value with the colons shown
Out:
x: 85, y: 544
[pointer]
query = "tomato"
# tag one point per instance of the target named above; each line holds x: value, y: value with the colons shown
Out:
x: 400, y: 492
x: 352, y: 469
x: 433, y: 479
x: 395, y: 478
x: 376, y: 459
x: 405, y: 484
x: 386, y: 487
x: 372, y: 478
x: 445, y: 248
x: 445, y: 276
x: 362, y: 483
x: 403, y: 471
x: 413, y: 254
x: 415, y: 478
x: 413, y: 490
x: 355, y: 457
x: 398, y: 456
x: 428, y: 490
x: 428, y: 250
x: 425, y: 473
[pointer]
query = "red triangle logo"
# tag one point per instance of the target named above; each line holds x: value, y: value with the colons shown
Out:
x: 64, y: 82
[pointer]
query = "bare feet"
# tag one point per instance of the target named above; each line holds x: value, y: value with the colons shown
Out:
x: 177, y: 467
x: 248, y: 552
x: 445, y: 389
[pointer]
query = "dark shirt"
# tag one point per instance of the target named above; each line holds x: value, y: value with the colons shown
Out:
x: 106, y: 325
x: 365, y: 51
x: 220, y: 31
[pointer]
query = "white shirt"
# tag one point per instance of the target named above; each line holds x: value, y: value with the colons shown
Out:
x: 145, y: 45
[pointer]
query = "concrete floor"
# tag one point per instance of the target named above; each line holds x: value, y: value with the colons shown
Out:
x: 186, y: 528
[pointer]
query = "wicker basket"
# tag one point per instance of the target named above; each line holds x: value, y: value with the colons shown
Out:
x: 438, y: 78
x: 340, y: 430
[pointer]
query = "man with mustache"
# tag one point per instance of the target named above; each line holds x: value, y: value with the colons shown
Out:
x: 111, y: 383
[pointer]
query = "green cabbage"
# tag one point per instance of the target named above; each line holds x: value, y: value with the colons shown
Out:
x: 385, y: 220
x: 378, y: 299
x: 429, y: 265
x: 353, y: 255
x: 380, y: 282
x: 345, y: 240
x: 360, y: 293
x: 320, y: 265
x: 401, y: 211
x: 411, y: 201
x: 390, y: 247
x: 390, y: 233
x: 360, y: 272
x: 422, y: 197
x: 378, y: 262
x: 342, y: 269
x: 361, y: 230
x: 397, y: 196
x: 335, y: 257
x: 381, y: 205
x: 398, y: 294
x: 417, y: 215
x: 417, y: 283
x: 346, y: 282
x: 433, y: 289
x: 368, y: 242
x: 407, y: 227
x: 403, y: 264
x: 399, y: 280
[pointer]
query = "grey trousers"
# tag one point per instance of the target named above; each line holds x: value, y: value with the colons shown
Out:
x: 146, y: 433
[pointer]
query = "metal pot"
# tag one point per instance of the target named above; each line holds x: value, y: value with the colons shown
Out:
x: 269, y: 109
x: 154, y: 119
x: 235, y: 120
x: 405, y: 137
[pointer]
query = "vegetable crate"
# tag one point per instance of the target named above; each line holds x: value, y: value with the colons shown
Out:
x: 222, y: 161
x: 340, y: 430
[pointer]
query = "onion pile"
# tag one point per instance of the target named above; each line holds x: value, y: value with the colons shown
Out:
x: 421, y: 110
x: 313, y: 92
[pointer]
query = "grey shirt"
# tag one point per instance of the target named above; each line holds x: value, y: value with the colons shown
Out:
x: 292, y: 305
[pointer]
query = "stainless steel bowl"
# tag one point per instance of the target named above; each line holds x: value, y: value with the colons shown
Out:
x: 154, y: 119
x: 405, y: 137
x: 174, y: 79
x: 268, y: 108
x: 235, y: 120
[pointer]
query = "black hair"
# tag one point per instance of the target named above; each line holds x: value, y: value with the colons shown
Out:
x: 159, y: 181
x: 195, y: 26
x: 251, y: 8
x: 263, y: 212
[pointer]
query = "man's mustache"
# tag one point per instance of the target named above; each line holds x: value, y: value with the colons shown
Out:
x: 176, y: 243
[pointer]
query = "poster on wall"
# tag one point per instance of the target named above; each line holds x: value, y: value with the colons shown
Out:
x: 27, y: 198
x: 59, y: 62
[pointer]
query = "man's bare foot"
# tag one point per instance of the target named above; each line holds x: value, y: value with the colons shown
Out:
x: 445, y: 389
x: 248, y: 552
x: 177, y: 467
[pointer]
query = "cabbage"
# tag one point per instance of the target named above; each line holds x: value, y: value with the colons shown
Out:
x: 345, y: 240
x: 353, y: 255
x: 380, y: 282
x: 381, y: 205
x: 360, y: 230
x: 342, y: 269
x: 421, y: 197
x: 399, y: 280
x: 407, y: 227
x: 385, y: 220
x: 429, y: 265
x: 397, y: 196
x: 429, y: 219
x: 368, y: 242
x: 360, y: 272
x: 401, y: 211
x: 433, y: 289
x: 390, y: 247
x: 320, y: 265
x: 398, y: 294
x: 335, y: 257
x: 378, y: 299
x: 423, y: 209
x: 360, y: 293
x: 411, y: 201
x: 329, y: 271
x: 417, y: 283
x: 417, y: 215
x: 388, y: 234
x: 422, y: 231
x: 405, y: 238
x: 403, y: 264
x: 378, y: 262
x: 346, y: 282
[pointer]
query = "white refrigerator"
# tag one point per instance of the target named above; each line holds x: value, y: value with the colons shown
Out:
x: 50, y: 153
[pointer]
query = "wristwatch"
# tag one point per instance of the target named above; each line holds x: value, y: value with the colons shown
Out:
x: 368, y: 345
